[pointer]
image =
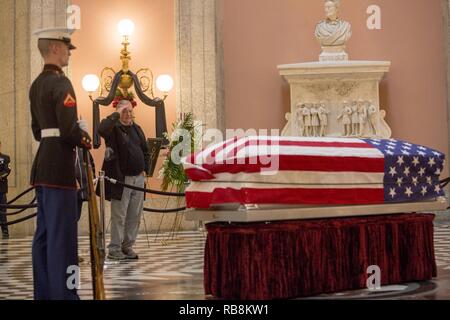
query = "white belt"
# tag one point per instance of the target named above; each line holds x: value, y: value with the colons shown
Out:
x: 48, y: 133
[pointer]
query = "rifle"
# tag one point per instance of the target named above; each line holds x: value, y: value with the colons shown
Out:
x: 96, y: 234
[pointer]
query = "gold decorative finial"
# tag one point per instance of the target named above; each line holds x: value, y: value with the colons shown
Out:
x: 144, y: 75
x: 126, y: 82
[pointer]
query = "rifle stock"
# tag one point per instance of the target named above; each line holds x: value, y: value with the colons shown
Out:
x: 96, y: 237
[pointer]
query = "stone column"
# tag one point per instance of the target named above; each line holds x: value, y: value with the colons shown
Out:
x: 200, y: 61
x: 20, y: 64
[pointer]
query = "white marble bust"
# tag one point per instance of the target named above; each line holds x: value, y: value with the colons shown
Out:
x: 333, y: 33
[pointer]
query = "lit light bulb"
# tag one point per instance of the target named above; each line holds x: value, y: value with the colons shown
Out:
x: 126, y: 27
x: 90, y: 83
x: 164, y: 83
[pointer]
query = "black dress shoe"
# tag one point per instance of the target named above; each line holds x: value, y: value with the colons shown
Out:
x: 5, y: 235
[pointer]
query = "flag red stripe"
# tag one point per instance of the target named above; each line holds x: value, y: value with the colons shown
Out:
x: 288, y: 162
x: 210, y: 156
x: 268, y: 142
x: 203, y: 200
x: 198, y: 175
x: 288, y: 143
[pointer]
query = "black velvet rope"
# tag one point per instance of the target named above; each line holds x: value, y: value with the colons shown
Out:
x: 444, y: 182
x: 161, y: 193
x: 31, y: 216
x: 22, y: 206
x: 164, y: 210
x: 20, y: 211
x: 21, y: 195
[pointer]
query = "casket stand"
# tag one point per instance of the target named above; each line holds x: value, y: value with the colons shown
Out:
x: 300, y: 258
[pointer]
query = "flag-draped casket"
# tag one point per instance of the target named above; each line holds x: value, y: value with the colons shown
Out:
x: 312, y: 171
x: 297, y: 256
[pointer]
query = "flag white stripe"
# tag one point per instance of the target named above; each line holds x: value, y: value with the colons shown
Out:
x: 207, y: 151
x: 305, y: 139
x: 210, y: 187
x: 252, y: 151
x: 200, y: 158
x: 303, y: 177
x: 220, y: 156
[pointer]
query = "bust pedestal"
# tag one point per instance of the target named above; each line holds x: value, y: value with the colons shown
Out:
x: 333, y: 83
x: 331, y: 54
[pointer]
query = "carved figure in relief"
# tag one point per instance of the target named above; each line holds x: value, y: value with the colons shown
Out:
x: 354, y: 118
x: 323, y: 118
x: 374, y: 118
x: 315, y: 124
x: 362, y: 117
x: 307, y: 119
x: 346, y: 116
x: 287, y: 130
x: 300, y: 119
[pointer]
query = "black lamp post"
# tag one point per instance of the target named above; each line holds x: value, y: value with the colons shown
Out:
x: 111, y: 81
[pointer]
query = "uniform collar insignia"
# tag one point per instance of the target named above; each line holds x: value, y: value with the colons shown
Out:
x: 54, y: 68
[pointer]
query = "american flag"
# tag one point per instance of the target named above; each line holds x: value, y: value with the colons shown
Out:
x: 312, y: 171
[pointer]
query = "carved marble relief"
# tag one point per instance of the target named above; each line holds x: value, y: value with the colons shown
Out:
x: 357, y: 118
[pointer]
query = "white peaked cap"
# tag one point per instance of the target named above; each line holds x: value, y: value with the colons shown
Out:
x: 61, y: 34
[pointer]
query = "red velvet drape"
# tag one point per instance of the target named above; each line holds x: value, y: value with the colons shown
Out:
x: 291, y: 259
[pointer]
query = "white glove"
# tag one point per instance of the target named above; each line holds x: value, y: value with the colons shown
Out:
x: 83, y: 125
x: 109, y: 152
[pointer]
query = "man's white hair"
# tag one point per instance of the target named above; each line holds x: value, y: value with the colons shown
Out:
x: 123, y: 102
x: 337, y: 3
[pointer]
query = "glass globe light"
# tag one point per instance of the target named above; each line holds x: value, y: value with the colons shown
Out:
x: 90, y: 83
x: 126, y: 27
x: 164, y: 83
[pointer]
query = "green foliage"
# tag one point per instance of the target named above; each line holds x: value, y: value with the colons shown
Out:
x: 173, y: 174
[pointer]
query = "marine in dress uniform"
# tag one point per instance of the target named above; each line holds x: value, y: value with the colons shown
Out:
x: 54, y: 124
x: 5, y: 170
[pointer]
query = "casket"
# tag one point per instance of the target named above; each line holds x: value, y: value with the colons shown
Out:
x: 279, y: 182
x: 259, y: 178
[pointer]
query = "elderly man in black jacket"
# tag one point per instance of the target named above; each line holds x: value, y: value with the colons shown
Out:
x: 127, y: 160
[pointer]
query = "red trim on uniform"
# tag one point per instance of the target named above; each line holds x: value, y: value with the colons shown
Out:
x: 54, y: 186
x: 70, y: 101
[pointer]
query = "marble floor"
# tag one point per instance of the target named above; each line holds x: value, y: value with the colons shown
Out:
x: 171, y: 268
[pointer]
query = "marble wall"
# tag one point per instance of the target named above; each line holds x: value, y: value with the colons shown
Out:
x: 20, y: 64
x: 200, y: 87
